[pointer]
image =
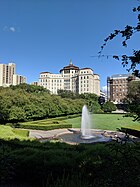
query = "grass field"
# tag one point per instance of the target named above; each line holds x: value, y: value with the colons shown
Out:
x: 7, y: 132
x: 99, y: 121
x: 107, y: 122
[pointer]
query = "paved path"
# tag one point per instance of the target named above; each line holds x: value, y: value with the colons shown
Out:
x: 39, y: 134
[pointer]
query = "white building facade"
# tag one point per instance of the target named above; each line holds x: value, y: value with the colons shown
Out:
x: 71, y: 78
x: 18, y: 79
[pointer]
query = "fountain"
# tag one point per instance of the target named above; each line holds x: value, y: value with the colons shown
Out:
x: 86, y: 134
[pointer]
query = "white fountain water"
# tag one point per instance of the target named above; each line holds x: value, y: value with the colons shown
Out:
x: 86, y: 132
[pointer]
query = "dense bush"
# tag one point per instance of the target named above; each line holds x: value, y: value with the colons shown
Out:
x: 133, y: 98
x: 109, y: 107
x: 27, y: 102
x: 21, y: 103
x: 43, y: 127
x: 130, y: 131
x: 55, y: 164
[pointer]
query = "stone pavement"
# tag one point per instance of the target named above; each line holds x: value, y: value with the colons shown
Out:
x: 40, y: 134
x: 52, y: 134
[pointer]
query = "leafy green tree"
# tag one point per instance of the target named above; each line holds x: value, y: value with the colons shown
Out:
x: 133, y: 98
x: 126, y: 34
x: 5, y: 104
x: 16, y: 114
x: 67, y: 94
x: 109, y: 107
x: 29, y: 88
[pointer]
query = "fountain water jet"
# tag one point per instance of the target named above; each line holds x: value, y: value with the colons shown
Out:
x: 86, y: 124
x: 86, y: 134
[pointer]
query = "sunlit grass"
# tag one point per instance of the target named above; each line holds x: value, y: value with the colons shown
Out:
x: 99, y: 121
x: 107, y: 122
x: 7, y: 132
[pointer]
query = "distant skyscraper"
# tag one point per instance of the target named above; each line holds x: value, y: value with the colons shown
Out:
x: 8, y: 76
x: 71, y: 78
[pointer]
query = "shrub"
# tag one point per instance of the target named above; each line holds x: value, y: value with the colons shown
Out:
x: 109, y: 107
x: 45, y: 127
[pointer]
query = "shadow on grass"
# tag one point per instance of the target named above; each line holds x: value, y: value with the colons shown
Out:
x: 31, y: 163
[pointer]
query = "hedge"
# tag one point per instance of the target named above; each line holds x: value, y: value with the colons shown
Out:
x: 43, y: 127
x: 133, y: 132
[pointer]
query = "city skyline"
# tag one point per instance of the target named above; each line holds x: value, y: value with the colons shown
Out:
x: 44, y: 35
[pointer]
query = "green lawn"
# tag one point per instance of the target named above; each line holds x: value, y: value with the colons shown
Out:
x: 7, y: 132
x: 99, y: 121
x: 107, y: 122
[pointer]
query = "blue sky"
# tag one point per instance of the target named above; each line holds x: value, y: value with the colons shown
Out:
x: 43, y: 35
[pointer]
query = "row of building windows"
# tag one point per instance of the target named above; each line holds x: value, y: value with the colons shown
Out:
x: 119, y: 94
x: 120, y: 81
x: 84, y: 89
x: 53, y: 80
x: 84, y: 77
x: 50, y: 76
x: 85, y: 85
x: 54, y: 87
x: 121, y: 90
x: 84, y: 72
x: 121, y: 85
x: 84, y: 81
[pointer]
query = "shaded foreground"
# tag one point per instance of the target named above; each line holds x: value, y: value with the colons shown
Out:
x: 30, y: 163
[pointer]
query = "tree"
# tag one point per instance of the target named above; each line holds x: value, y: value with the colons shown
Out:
x: 109, y: 107
x: 126, y: 34
x: 133, y: 98
x: 67, y: 94
x: 101, y: 100
x: 29, y: 88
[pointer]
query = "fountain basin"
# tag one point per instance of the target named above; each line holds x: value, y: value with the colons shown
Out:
x: 76, y: 138
x: 87, y: 137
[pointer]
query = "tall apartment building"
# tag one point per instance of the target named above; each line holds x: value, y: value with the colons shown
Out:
x: 71, y: 78
x: 18, y: 79
x: 8, y: 76
x: 117, y: 86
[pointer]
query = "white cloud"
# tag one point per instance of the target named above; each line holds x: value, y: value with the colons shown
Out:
x: 9, y: 29
x: 12, y: 29
x: 104, y: 88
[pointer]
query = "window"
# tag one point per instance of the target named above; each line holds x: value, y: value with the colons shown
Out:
x: 66, y: 71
